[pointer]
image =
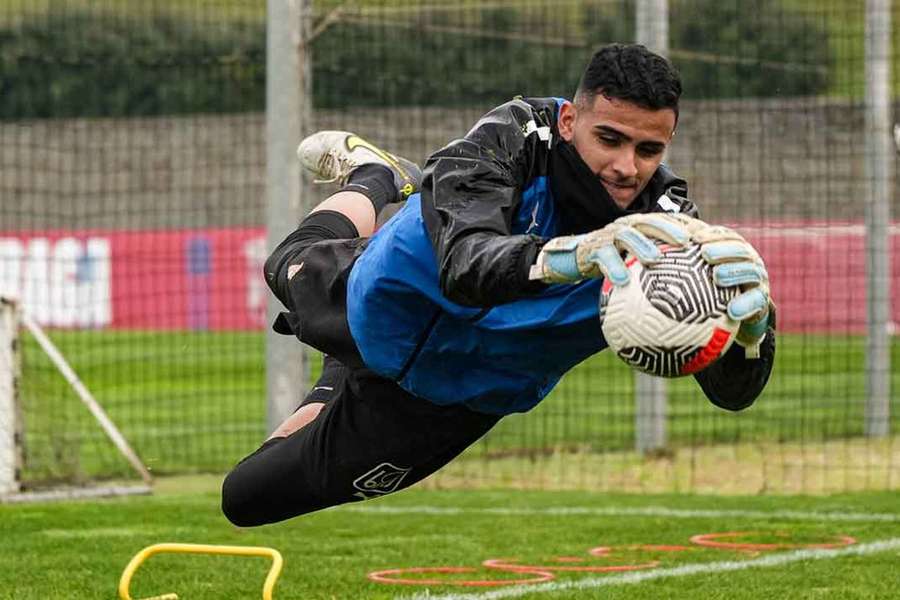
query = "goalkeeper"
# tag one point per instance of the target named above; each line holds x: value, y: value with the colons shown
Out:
x: 473, y: 300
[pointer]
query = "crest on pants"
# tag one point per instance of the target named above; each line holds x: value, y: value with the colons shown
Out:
x: 383, y: 479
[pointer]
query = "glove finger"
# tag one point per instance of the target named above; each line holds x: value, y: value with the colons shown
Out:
x: 561, y: 265
x: 563, y: 244
x: 748, y: 305
x: 738, y: 273
x: 728, y: 251
x: 639, y: 245
x: 752, y: 332
x: 716, y: 233
x: 661, y: 228
x: 610, y: 264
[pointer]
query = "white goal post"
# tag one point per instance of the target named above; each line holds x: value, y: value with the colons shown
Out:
x: 10, y: 457
x: 12, y: 318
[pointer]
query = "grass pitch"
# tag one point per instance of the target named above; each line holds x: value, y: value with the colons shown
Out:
x: 78, y: 550
x: 195, y: 402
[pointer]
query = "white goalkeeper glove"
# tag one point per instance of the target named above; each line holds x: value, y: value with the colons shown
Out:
x: 737, y: 264
x: 572, y: 258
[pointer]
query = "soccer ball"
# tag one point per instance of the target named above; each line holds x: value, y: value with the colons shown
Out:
x: 670, y: 319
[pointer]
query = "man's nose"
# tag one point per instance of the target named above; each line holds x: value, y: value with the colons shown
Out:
x: 624, y: 165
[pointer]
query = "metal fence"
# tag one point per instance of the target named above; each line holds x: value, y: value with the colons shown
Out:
x: 133, y: 175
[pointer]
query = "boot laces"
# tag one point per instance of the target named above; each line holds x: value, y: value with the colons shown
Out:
x: 335, y: 165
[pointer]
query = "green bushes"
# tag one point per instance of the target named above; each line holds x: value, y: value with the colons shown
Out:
x: 725, y: 51
x: 81, y: 64
x: 88, y: 65
x: 358, y: 66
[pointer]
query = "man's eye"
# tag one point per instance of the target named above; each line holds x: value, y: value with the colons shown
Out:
x: 648, y: 152
x: 608, y: 139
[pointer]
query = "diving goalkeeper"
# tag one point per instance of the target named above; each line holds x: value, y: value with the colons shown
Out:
x: 473, y: 300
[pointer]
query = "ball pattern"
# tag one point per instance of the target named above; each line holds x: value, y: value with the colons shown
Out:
x: 671, y: 319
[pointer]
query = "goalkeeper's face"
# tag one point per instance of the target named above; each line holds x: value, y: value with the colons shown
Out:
x: 621, y: 142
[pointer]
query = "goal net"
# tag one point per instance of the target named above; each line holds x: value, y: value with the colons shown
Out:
x: 70, y: 446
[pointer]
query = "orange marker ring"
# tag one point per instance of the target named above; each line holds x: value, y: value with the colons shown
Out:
x: 385, y: 577
x: 504, y: 565
x: 710, y: 540
x: 544, y: 573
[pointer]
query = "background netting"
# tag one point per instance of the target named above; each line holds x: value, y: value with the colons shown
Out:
x: 132, y: 178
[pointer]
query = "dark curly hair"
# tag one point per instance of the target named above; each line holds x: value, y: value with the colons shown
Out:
x: 633, y: 73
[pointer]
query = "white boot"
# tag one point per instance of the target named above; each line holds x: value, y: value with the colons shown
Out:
x: 332, y: 156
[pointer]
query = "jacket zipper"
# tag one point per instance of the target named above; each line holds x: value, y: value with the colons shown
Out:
x: 418, y: 349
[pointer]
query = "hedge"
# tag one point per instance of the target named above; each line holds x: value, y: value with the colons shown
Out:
x: 86, y: 64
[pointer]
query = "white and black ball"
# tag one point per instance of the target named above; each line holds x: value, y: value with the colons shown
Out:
x: 671, y: 319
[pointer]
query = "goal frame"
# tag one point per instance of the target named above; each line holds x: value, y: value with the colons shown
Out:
x: 13, y: 320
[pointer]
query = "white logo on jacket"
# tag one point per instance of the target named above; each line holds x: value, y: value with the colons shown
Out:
x: 667, y: 205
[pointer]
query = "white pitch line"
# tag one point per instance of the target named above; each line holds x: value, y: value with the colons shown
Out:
x: 771, y: 560
x: 648, y: 511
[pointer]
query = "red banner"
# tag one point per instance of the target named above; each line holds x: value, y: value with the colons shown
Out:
x: 196, y: 279
x: 211, y: 279
x: 818, y: 274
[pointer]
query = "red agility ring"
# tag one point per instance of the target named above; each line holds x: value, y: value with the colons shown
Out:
x: 663, y: 548
x: 506, y: 565
x: 544, y: 573
x: 385, y: 577
x: 710, y: 540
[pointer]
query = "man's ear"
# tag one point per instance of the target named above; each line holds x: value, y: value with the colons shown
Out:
x: 566, y: 120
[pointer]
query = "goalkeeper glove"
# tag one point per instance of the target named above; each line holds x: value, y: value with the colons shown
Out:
x: 570, y: 259
x: 736, y: 264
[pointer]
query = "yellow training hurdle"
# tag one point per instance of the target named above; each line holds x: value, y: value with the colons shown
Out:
x: 140, y: 557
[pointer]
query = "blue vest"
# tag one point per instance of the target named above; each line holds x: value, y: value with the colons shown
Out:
x: 499, y: 360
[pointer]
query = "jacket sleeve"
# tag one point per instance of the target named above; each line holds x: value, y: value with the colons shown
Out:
x: 734, y: 382
x: 470, y: 192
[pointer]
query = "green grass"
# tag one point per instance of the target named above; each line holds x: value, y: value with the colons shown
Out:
x: 78, y: 550
x: 186, y: 401
x: 817, y: 391
x: 192, y: 402
x: 200, y: 10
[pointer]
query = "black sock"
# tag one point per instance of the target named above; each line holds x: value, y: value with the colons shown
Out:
x: 375, y: 182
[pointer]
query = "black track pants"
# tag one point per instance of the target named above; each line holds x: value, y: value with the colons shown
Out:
x: 370, y: 439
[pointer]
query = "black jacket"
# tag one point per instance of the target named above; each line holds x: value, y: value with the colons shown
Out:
x: 471, y: 190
